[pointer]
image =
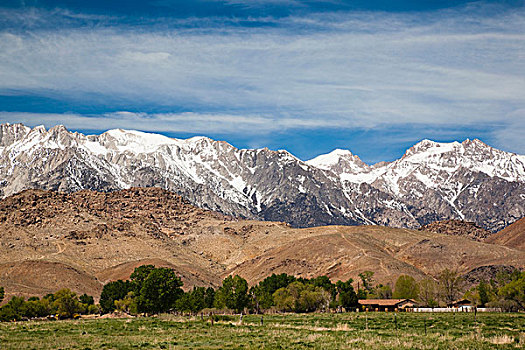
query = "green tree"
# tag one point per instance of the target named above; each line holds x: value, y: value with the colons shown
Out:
x: 2, y: 294
x: 198, y: 295
x: 114, y: 291
x: 94, y: 309
x: 184, y: 303
x: 367, y: 281
x: 263, y: 293
x: 67, y: 303
x: 37, y: 308
x: 313, y: 298
x: 300, y: 297
x: 209, y: 297
x: 361, y: 294
x: 14, y: 310
x: 159, y: 291
x: 128, y: 304
x: 284, y: 301
x: 325, y: 283
x: 406, y: 287
x: 347, y: 296
x: 233, y: 293
x: 139, y: 275
x: 86, y: 299
x: 485, y: 293
x: 193, y: 301
x: 515, y: 291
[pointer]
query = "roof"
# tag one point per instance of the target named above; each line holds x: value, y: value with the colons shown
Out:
x: 384, y: 302
x: 461, y: 301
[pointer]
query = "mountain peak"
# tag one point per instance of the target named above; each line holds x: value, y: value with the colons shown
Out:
x: 339, y: 161
x: 58, y: 128
x: 135, y: 141
x: 433, y: 147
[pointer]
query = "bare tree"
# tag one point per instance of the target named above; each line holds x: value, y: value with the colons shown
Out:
x: 449, y: 285
x: 428, y: 292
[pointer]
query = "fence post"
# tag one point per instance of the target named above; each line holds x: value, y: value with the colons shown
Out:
x: 395, y: 319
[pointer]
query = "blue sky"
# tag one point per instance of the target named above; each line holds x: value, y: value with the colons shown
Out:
x: 307, y: 76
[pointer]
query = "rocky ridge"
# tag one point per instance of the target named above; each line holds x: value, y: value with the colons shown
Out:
x: 457, y: 228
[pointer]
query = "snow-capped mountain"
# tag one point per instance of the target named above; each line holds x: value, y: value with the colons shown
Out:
x: 340, y: 161
x: 432, y: 181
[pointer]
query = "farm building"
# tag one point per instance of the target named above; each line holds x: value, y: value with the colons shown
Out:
x: 461, y: 304
x: 387, y: 304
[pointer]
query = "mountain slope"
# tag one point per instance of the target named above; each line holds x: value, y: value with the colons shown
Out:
x: 512, y: 236
x: 344, y: 252
x: 432, y: 181
x: 50, y: 240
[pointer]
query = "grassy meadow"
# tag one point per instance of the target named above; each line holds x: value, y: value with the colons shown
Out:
x: 292, y: 331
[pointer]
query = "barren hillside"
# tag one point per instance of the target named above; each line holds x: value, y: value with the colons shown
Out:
x: 343, y: 252
x: 50, y: 240
x: 512, y: 236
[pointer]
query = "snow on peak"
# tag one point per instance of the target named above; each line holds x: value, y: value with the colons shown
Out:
x: 136, y: 141
x: 434, y: 164
x: 429, y: 147
x: 472, y: 154
x: 428, y: 161
x: 340, y: 161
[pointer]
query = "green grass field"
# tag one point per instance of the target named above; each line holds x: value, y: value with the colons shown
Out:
x: 320, y: 331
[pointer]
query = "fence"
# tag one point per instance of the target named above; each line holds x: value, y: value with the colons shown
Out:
x: 453, y: 309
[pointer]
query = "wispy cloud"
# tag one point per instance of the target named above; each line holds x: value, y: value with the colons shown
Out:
x: 187, y: 122
x: 359, y: 70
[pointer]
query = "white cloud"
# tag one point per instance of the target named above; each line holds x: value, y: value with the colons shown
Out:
x: 362, y: 70
x: 511, y: 135
x: 165, y: 122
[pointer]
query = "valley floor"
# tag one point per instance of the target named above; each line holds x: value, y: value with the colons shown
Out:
x: 319, y: 331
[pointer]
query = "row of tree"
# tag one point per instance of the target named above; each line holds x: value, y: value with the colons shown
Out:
x: 296, y: 294
x: 152, y: 290
x: 62, y: 304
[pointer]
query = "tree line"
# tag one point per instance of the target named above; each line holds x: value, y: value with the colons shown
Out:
x: 152, y: 290
x: 62, y: 304
x: 287, y: 293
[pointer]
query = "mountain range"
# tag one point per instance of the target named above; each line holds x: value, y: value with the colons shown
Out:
x: 432, y: 181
